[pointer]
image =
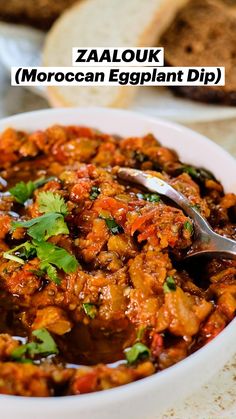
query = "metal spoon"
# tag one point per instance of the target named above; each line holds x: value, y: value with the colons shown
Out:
x: 206, y: 241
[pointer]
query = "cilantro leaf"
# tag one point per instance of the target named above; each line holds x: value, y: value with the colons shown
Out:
x: 94, y: 193
x: 43, y: 227
x: 49, y: 254
x: 45, y: 346
x: 51, y: 223
x: 52, y: 202
x: 18, y: 353
x: 40, y: 229
x: 52, y: 273
x: 198, y: 174
x: 188, y: 226
x: 136, y: 352
x: 23, y: 251
x: 169, y: 285
x: 90, y: 309
x: 42, y: 181
x: 58, y: 227
x: 22, y: 191
x: 192, y: 171
x: 112, y: 225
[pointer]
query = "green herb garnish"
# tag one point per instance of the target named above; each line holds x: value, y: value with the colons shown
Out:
x: 52, y: 202
x: 169, y: 284
x: 43, y: 180
x: 137, y: 352
x: 50, y: 256
x: 140, y: 333
x: 22, y: 252
x: 45, y: 345
x: 94, y: 193
x: 198, y: 173
x: 40, y: 229
x: 51, y: 223
x: 149, y: 197
x: 192, y: 171
x: 188, y: 226
x: 90, y: 310
x: 22, y: 191
x: 112, y: 225
x: 43, y: 227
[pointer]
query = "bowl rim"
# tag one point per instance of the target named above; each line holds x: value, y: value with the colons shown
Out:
x: 122, y: 392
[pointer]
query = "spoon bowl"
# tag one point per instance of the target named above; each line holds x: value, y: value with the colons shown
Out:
x: 206, y: 241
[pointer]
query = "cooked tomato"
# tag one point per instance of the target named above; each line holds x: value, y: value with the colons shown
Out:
x: 92, y: 291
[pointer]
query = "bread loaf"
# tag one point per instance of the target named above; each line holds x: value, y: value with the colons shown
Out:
x: 104, y: 23
x: 204, y: 34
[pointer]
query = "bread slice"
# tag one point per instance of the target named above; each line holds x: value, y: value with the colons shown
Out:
x: 204, y: 34
x: 104, y: 23
x: 38, y: 13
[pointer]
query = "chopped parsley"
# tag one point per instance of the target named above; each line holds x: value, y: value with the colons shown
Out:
x: 112, y: 225
x: 150, y: 197
x: 198, y: 173
x: 43, y: 345
x: 94, y: 193
x: 22, y: 191
x: 137, y: 352
x: 188, y: 226
x: 90, y: 310
x: 169, y: 285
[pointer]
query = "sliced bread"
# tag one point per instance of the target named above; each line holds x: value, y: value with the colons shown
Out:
x: 204, y: 34
x: 104, y: 23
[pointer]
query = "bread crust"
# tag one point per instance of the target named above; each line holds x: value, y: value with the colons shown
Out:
x: 203, y: 34
x: 206, y: 94
x: 37, y: 13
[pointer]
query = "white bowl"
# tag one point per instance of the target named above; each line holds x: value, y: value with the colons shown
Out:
x: 147, y: 398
